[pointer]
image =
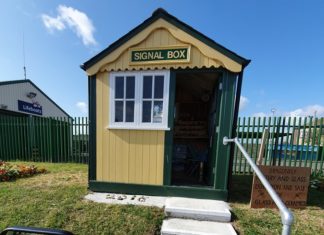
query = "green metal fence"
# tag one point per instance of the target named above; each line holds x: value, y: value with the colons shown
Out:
x: 44, y: 139
x: 292, y: 141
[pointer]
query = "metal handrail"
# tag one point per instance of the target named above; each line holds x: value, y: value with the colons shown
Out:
x: 287, y: 217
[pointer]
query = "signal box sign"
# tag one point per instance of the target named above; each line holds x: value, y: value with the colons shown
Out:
x: 290, y: 183
x: 176, y: 54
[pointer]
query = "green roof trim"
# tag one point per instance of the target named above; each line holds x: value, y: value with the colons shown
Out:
x: 161, y: 13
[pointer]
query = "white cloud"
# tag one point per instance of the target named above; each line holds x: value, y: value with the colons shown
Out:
x: 243, y: 102
x: 52, y: 23
x: 76, y: 20
x: 83, y: 107
x: 310, y: 110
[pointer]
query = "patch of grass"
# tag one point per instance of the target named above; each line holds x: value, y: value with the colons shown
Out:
x: 55, y: 200
x: 268, y: 221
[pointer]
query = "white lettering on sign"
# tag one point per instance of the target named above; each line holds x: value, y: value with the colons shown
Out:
x: 148, y: 55
x: 160, y: 55
x: 180, y: 54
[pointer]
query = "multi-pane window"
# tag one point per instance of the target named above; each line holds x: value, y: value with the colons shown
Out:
x: 153, y: 87
x: 139, y: 100
x: 124, y: 98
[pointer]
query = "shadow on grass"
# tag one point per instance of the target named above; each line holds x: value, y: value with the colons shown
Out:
x: 241, y: 186
x: 315, y: 198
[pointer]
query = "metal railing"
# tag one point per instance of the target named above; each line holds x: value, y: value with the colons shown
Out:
x: 287, y: 217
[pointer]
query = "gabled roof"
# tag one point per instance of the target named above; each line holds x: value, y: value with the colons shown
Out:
x: 12, y: 82
x: 157, y: 14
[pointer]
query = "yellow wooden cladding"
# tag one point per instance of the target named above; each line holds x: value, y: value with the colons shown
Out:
x: 126, y: 156
x: 161, y: 34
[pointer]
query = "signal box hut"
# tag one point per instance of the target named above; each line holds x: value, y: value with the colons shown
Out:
x: 161, y: 99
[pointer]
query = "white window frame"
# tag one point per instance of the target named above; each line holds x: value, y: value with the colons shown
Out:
x: 138, y: 124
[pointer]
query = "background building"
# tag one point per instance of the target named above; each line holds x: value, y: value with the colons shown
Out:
x: 24, y: 98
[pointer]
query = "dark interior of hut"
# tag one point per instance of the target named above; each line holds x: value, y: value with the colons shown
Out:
x: 194, y: 128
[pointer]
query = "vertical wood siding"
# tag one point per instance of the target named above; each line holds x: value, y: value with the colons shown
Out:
x: 126, y: 156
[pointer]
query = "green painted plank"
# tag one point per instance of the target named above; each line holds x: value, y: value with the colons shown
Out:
x: 246, y: 166
x: 298, y: 135
x: 273, y: 140
x: 225, y: 129
x: 242, y: 141
x: 157, y: 190
x: 308, y: 138
x: 252, y: 145
x: 62, y: 157
x: 257, y: 139
x: 292, y: 141
x: 281, y: 128
x: 303, y: 140
x: 87, y: 138
x: 322, y: 157
x: 79, y: 138
x: 265, y: 150
x: 168, y: 138
x: 287, y: 139
x: 65, y: 139
x: 235, y: 160
x: 267, y: 147
x: 82, y: 140
x: 313, y: 144
x: 320, y: 133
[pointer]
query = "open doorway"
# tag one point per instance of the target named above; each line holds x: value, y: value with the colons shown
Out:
x: 195, y: 122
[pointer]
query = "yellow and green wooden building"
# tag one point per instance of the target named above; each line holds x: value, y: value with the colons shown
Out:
x: 161, y: 99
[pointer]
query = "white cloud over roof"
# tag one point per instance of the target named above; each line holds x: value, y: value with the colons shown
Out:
x: 76, y: 20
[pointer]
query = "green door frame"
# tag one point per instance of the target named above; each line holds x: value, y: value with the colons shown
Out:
x: 168, y: 138
x: 224, y: 116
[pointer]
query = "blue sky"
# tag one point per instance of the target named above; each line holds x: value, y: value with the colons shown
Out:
x: 284, y: 40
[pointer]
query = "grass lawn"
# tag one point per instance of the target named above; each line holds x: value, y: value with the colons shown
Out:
x: 55, y: 200
x: 268, y: 221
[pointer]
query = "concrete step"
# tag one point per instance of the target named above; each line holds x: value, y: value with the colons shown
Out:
x: 178, y: 226
x: 200, y: 209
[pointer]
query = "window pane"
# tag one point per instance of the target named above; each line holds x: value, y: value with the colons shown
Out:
x: 157, y: 111
x: 130, y: 87
x: 146, y: 113
x: 119, y: 106
x: 147, y: 87
x: 129, y: 111
x: 119, y: 87
x: 158, y: 87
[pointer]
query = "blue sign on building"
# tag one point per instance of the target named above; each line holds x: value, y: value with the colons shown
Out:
x: 30, y: 107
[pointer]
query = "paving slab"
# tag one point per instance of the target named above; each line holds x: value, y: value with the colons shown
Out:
x: 178, y: 226
x: 200, y: 209
x: 124, y: 199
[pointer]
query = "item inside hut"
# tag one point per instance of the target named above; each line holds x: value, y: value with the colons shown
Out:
x: 194, y: 128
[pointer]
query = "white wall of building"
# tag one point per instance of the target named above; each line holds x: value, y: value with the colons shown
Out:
x: 11, y: 93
